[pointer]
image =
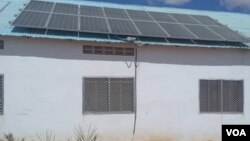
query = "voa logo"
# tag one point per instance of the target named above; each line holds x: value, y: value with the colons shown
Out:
x: 236, y: 132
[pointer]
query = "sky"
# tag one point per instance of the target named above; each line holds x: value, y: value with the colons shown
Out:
x: 240, y: 6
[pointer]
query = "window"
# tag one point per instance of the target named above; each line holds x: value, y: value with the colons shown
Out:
x: 108, y: 95
x: 108, y: 50
x: 224, y: 96
x: 1, y: 95
x: 1, y: 44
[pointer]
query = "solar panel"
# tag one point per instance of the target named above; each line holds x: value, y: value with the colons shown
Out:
x: 139, y: 15
x: 91, y: 19
x: 66, y: 8
x: 203, y: 33
x: 123, y: 27
x: 63, y: 22
x: 182, y: 18
x: 150, y: 29
x: 39, y: 6
x: 91, y: 11
x: 162, y: 17
x: 116, y: 13
x: 227, y: 33
x: 92, y: 24
x: 177, y: 31
x: 205, y: 20
x: 31, y: 19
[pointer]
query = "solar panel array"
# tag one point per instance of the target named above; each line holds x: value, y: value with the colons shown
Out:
x: 90, y: 19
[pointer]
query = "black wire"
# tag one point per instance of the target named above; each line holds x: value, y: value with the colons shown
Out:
x: 135, y: 89
x: 135, y: 83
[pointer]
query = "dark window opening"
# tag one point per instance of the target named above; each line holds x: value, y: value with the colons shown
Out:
x: 224, y: 96
x: 108, y: 95
x: 108, y: 50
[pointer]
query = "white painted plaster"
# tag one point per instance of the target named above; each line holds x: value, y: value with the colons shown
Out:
x: 43, y: 89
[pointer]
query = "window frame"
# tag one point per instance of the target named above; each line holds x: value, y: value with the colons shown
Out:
x: 109, y: 112
x: 221, y: 106
x: 2, y: 112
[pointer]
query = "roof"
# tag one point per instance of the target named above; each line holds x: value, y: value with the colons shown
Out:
x: 10, y: 8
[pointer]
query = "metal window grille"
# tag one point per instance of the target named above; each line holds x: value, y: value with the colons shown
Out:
x: 108, y: 50
x: 1, y: 44
x: 108, y: 95
x: 1, y: 95
x: 221, y: 96
x: 232, y: 96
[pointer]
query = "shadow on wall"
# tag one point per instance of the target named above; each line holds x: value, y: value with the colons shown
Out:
x: 196, y: 56
x: 71, y: 50
x: 53, y: 49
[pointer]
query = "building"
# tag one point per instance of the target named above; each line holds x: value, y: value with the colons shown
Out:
x: 149, y: 89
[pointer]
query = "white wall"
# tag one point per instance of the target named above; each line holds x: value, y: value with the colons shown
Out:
x: 168, y: 91
x: 43, y: 87
x: 43, y: 90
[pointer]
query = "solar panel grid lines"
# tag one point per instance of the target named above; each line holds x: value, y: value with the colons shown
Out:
x: 206, y: 20
x: 128, y: 22
x: 227, y: 33
x: 79, y: 19
x: 195, y: 19
x: 139, y: 15
x: 158, y: 25
x: 106, y: 20
x: 39, y: 6
x: 116, y: 13
x: 162, y: 17
x: 91, y: 24
x: 186, y: 30
x: 122, y: 27
x: 185, y: 19
x: 203, y: 32
x: 177, y: 30
x: 47, y: 22
x: 91, y: 11
x: 31, y: 19
x: 62, y: 8
x: 150, y: 29
x: 63, y: 22
x: 215, y: 32
x: 133, y: 22
x: 174, y: 18
x: 190, y: 31
x: 207, y: 26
